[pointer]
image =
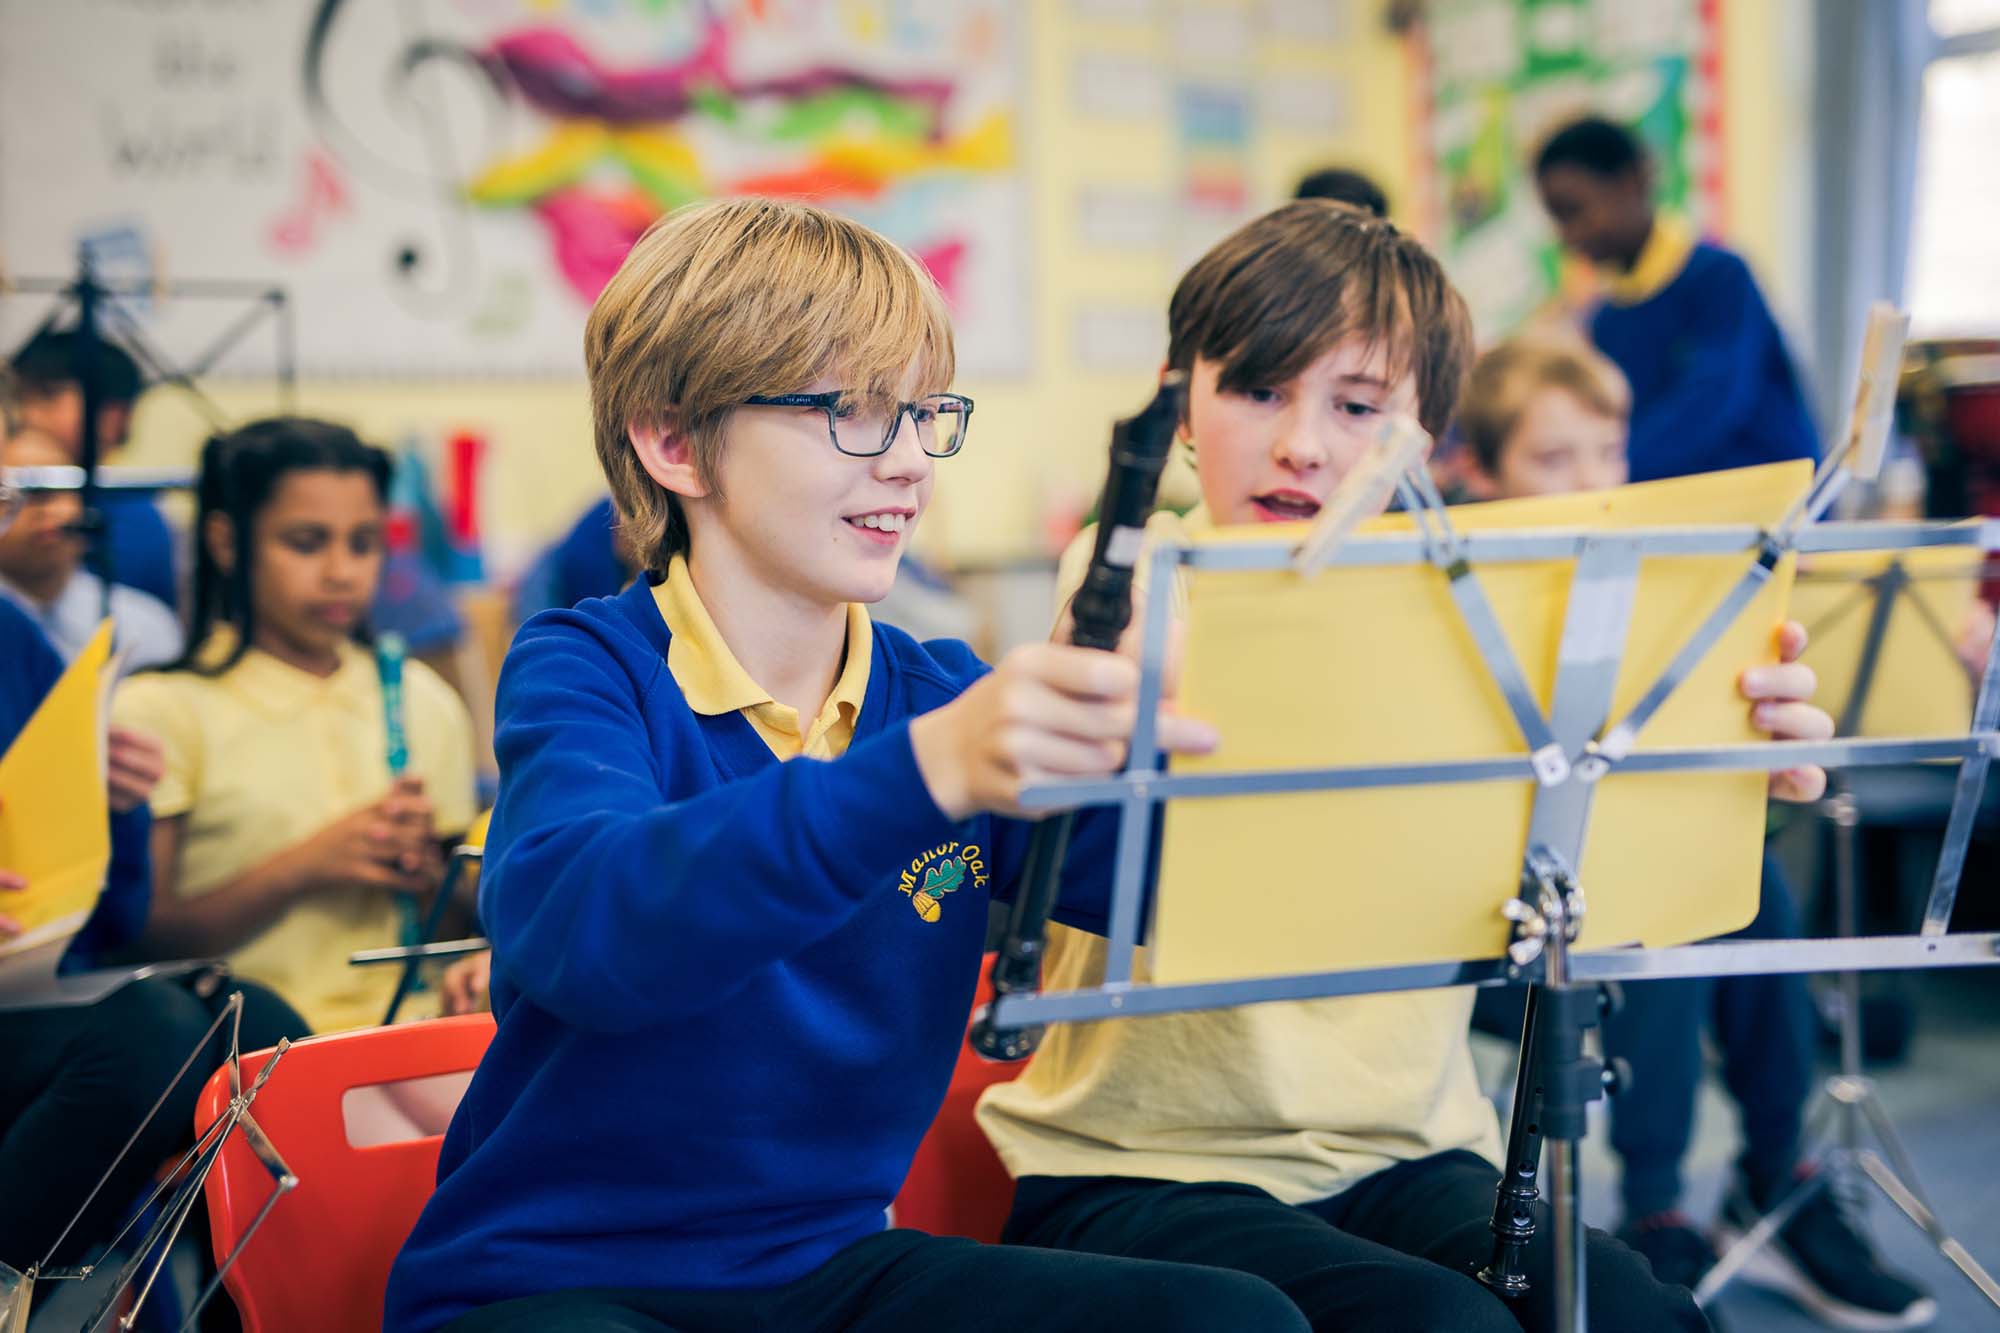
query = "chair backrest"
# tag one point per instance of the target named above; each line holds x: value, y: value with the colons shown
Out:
x: 321, y: 1260
x: 956, y: 1185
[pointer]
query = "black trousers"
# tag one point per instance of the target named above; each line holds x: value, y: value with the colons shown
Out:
x: 76, y: 1082
x: 907, y: 1282
x: 1395, y: 1253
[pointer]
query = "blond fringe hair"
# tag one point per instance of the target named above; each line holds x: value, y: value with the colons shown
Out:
x: 724, y: 300
x: 1506, y: 379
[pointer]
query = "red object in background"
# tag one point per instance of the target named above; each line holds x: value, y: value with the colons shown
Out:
x: 464, y: 454
x: 1972, y: 424
x: 956, y: 1185
x: 320, y: 1261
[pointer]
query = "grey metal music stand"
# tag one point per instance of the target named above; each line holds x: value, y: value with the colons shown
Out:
x: 1848, y: 1098
x: 1569, y: 751
x: 175, y: 1196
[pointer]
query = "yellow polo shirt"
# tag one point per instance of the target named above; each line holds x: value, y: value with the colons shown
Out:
x: 1301, y: 1099
x: 714, y: 682
x: 264, y: 756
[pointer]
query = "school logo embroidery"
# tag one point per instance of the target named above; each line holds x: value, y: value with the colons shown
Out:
x: 941, y: 870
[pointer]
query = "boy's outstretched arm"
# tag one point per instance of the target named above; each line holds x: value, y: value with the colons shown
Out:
x: 614, y: 909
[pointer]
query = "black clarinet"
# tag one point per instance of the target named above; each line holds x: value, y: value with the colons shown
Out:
x: 1101, y: 610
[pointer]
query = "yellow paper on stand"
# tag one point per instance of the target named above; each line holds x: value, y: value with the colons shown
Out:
x: 54, y: 822
x: 1372, y: 665
x: 1919, y: 687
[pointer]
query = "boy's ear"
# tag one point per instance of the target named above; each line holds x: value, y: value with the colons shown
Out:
x: 1184, y: 432
x: 218, y: 533
x: 668, y: 458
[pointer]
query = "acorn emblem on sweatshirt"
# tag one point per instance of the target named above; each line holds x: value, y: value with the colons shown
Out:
x: 944, y: 877
x: 944, y: 869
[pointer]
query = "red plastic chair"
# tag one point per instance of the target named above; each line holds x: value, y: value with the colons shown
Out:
x: 956, y: 1185
x: 321, y: 1260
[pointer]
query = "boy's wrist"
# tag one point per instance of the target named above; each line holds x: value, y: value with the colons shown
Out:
x: 934, y: 744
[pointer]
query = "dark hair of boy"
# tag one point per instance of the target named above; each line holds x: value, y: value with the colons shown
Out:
x: 50, y: 361
x: 1597, y: 182
x: 1344, y: 185
x: 239, y: 473
x: 1282, y: 290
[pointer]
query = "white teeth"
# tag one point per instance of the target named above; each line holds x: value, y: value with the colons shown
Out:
x: 882, y: 522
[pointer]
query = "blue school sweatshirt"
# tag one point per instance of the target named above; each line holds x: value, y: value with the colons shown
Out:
x: 142, y: 545
x: 1712, y: 384
x: 29, y: 665
x: 724, y: 1024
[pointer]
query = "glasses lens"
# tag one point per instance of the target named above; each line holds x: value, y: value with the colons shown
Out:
x: 856, y: 430
x: 941, y: 421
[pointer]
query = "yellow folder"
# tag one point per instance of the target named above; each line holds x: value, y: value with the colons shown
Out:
x: 1372, y: 665
x: 54, y: 829
x: 1920, y: 688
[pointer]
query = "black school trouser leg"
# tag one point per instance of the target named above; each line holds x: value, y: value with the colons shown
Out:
x: 1394, y: 1253
x: 908, y: 1282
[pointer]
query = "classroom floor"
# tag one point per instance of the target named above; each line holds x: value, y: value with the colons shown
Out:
x: 1945, y: 1102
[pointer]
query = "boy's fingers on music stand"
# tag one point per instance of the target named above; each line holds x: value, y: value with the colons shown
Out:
x: 1170, y: 670
x: 1791, y: 681
x: 1798, y: 786
x: 1082, y: 673
x: 1792, y: 721
x: 1031, y: 703
x: 10, y: 880
x: 1176, y: 734
x: 1791, y: 641
x: 1037, y: 755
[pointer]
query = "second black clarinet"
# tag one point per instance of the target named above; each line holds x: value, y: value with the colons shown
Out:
x: 1102, y: 608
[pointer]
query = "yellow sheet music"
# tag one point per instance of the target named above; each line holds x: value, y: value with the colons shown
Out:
x: 1919, y: 687
x: 1373, y: 666
x: 54, y: 828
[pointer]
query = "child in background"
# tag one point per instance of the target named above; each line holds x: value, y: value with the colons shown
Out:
x: 738, y: 875
x: 79, y: 1079
x: 1344, y: 185
x: 41, y: 571
x: 1340, y: 1148
x: 50, y: 373
x: 1547, y: 417
x: 1712, y: 384
x: 281, y: 839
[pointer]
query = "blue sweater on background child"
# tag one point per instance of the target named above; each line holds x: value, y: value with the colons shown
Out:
x: 723, y: 1029
x: 1712, y: 384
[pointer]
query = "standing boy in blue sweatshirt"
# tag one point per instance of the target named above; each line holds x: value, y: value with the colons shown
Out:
x: 1712, y: 384
x: 736, y: 880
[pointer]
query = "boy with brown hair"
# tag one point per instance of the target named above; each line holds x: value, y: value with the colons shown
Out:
x: 726, y: 1014
x: 1340, y: 1148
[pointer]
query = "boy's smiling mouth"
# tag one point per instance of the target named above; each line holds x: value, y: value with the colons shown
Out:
x: 884, y: 527
x: 1284, y: 505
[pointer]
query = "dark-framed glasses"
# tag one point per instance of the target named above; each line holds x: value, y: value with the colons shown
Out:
x: 940, y: 420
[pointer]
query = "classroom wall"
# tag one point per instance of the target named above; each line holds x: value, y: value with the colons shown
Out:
x: 1035, y: 438
x: 1038, y: 441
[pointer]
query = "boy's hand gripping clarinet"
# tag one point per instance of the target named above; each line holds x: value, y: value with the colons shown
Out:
x: 1101, y: 610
